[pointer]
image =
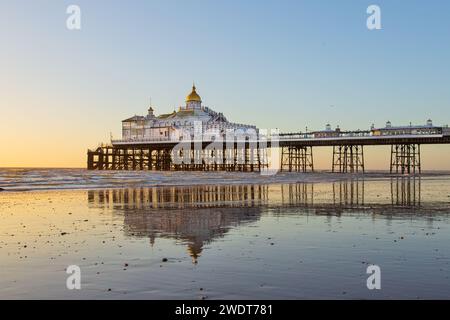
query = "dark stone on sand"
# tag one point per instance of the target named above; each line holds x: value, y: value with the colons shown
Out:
x: 63, y: 233
x: 164, y: 260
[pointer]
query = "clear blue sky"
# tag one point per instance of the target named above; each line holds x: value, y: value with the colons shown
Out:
x: 284, y: 64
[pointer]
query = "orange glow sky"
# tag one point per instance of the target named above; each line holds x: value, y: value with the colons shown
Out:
x: 63, y: 91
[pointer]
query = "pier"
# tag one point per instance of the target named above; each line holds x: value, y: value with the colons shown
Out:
x: 159, y: 156
x: 296, y: 151
x: 348, y: 150
x: 198, y: 138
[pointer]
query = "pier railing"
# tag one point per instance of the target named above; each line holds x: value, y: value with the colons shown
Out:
x: 352, y: 134
x: 290, y: 137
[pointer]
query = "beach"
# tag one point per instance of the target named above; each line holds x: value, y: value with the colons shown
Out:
x: 223, y: 236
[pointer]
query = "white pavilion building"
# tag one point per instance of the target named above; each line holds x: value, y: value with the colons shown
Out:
x: 179, y: 125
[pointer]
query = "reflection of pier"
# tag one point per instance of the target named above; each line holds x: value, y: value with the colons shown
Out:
x: 198, y: 215
x: 185, y: 214
x: 298, y: 194
x: 348, y: 192
x: 183, y: 197
x: 350, y: 196
x: 405, y: 191
x: 344, y: 193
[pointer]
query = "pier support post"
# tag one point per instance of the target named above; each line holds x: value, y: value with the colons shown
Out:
x: 405, y: 158
x: 90, y: 160
x: 348, y: 158
x: 297, y: 158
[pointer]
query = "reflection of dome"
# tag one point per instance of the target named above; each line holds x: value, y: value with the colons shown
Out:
x: 194, y: 250
x: 193, y: 96
x: 197, y: 216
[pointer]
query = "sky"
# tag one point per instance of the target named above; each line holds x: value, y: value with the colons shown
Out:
x: 275, y: 64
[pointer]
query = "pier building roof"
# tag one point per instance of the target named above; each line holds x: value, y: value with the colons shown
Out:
x: 193, y: 96
x: 134, y: 118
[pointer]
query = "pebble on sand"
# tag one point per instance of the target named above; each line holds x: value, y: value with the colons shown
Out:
x: 164, y: 260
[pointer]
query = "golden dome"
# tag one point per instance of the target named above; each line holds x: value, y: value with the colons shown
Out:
x: 193, y: 96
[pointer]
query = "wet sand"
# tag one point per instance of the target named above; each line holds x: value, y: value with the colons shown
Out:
x: 230, y: 241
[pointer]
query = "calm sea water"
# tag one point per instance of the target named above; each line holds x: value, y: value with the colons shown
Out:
x: 58, y: 179
x: 223, y: 236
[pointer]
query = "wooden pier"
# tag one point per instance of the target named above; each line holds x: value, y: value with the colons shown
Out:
x: 245, y: 157
x: 252, y: 156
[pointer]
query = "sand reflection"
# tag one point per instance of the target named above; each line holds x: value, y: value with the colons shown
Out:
x: 197, y: 215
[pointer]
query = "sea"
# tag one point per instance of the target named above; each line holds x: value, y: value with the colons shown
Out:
x: 223, y: 235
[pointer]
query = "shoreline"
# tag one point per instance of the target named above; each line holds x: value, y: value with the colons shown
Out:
x: 193, y: 178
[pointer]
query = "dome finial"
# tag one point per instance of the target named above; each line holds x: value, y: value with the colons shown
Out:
x: 193, y: 96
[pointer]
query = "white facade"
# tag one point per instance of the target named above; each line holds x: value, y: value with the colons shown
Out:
x: 179, y: 125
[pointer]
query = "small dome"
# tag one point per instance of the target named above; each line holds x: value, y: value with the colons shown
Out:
x: 193, y: 96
